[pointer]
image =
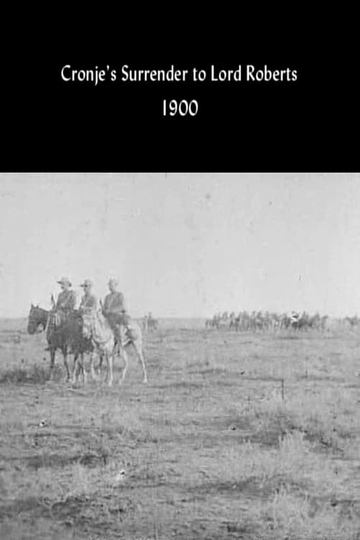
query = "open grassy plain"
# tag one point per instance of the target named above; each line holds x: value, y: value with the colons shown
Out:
x: 236, y: 435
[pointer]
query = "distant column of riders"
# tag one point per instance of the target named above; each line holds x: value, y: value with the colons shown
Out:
x: 113, y: 309
x: 267, y: 321
x: 149, y: 323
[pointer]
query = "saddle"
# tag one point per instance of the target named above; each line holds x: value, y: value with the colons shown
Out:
x: 127, y: 333
x: 96, y: 326
x: 58, y: 318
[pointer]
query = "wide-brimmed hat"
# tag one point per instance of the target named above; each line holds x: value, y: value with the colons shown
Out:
x: 87, y: 283
x: 113, y: 281
x: 64, y: 281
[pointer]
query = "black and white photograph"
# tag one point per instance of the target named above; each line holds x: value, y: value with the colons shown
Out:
x: 179, y: 355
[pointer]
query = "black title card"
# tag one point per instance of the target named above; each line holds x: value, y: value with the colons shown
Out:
x: 215, y: 103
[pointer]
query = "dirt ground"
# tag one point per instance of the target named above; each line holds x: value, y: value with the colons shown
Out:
x: 236, y: 435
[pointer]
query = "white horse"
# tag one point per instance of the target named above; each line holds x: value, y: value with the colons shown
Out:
x: 108, y: 344
x: 130, y: 335
x: 97, y: 329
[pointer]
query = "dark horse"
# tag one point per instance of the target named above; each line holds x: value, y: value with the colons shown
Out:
x: 66, y: 337
x: 152, y: 324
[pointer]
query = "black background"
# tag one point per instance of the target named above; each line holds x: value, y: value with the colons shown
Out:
x: 307, y: 125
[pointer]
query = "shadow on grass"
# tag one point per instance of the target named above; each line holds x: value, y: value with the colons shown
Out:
x: 87, y: 459
x: 327, y: 378
x: 250, y: 488
x: 30, y: 375
x: 179, y: 384
x: 88, y: 512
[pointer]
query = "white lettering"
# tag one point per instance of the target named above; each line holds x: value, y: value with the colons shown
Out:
x: 266, y: 74
x: 153, y: 75
x: 62, y: 74
x: 226, y: 75
x: 89, y: 75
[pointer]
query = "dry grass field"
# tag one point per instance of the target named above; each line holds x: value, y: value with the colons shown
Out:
x: 246, y: 436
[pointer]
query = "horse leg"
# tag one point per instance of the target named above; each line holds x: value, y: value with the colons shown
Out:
x: 52, y: 363
x: 78, y: 366
x: 140, y: 355
x: 92, y: 371
x: 116, y: 349
x: 75, y: 367
x: 110, y: 360
x: 124, y: 355
x: 84, y: 370
x: 64, y: 352
x: 101, y: 360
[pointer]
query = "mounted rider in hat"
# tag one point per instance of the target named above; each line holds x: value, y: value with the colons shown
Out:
x: 66, y: 301
x: 64, y: 306
x: 88, y: 302
x: 88, y: 306
x: 114, y: 310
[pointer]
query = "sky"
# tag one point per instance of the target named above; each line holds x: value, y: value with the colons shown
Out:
x: 183, y: 245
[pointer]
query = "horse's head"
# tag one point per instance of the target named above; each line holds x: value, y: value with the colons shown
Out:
x: 37, y: 317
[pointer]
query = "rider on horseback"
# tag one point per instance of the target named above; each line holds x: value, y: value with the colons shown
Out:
x: 64, y: 306
x: 114, y: 310
x: 88, y: 302
x: 66, y: 300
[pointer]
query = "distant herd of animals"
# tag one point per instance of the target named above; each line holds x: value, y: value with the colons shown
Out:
x: 262, y: 321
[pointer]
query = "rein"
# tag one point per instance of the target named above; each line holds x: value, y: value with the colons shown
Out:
x: 47, y: 323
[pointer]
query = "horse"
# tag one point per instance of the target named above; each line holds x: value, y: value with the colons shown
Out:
x: 109, y: 342
x: 152, y: 324
x: 208, y: 323
x: 66, y: 335
x: 96, y: 330
x: 145, y: 325
x: 234, y: 323
x: 212, y: 323
x: 131, y: 336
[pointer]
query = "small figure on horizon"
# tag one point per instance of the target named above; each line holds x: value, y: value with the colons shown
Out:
x: 145, y: 323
